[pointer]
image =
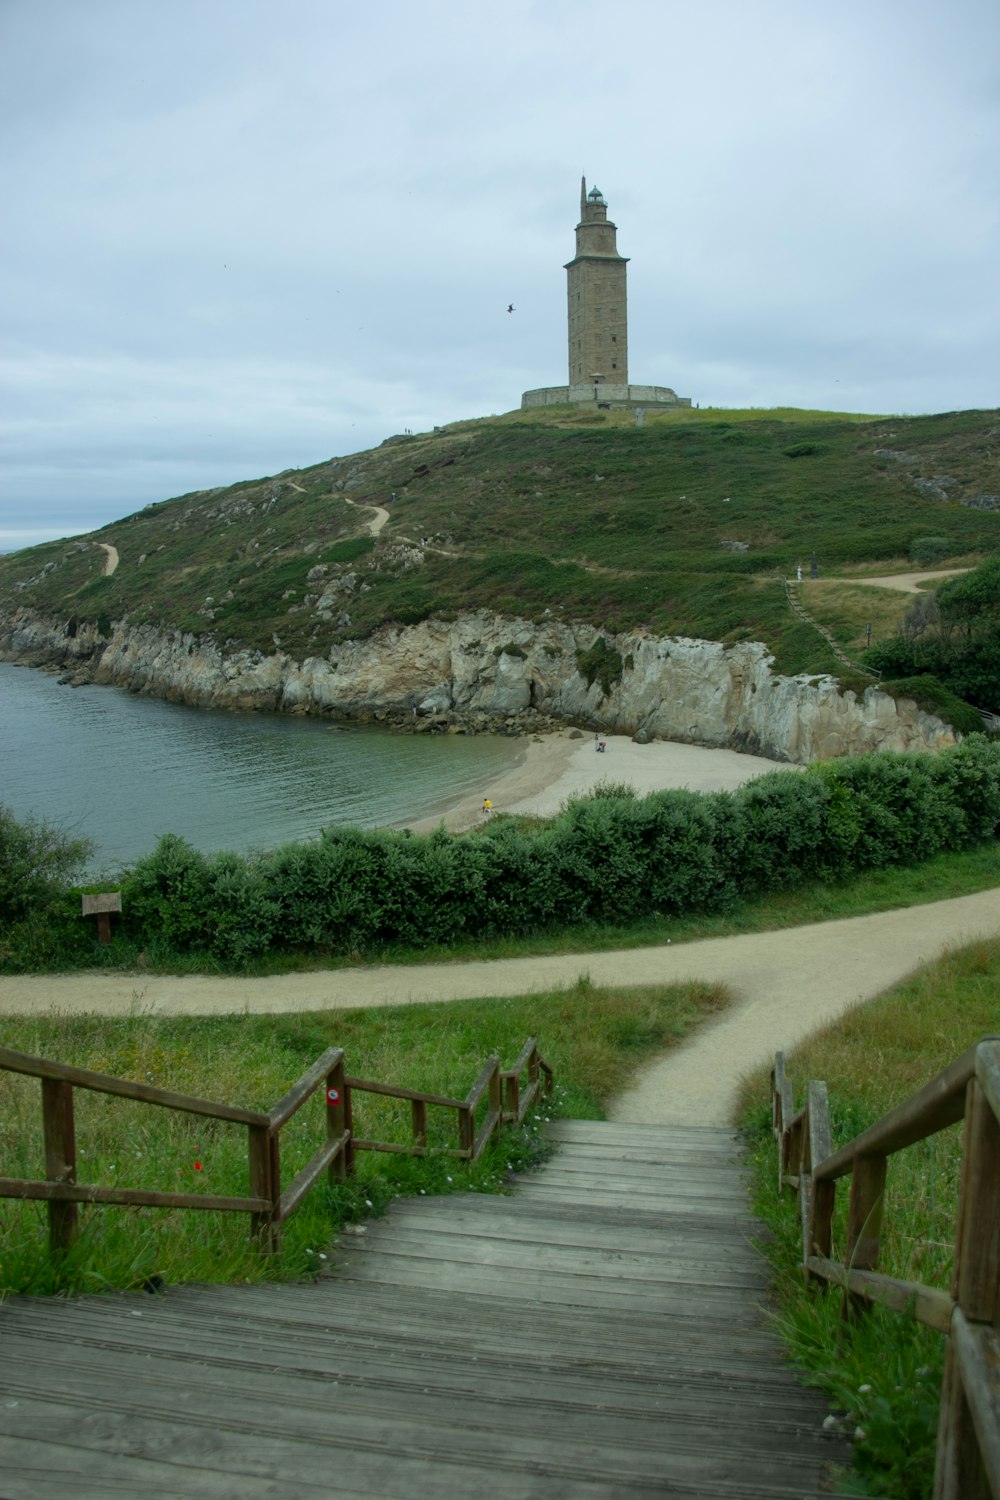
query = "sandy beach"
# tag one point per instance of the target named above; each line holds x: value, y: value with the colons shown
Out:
x: 558, y: 767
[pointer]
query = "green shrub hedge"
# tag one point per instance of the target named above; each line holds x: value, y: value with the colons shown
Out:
x: 605, y: 858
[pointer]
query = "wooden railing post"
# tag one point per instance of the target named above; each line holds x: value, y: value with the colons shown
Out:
x: 418, y: 1122
x: 275, y: 1153
x: 976, y: 1289
x: 823, y: 1194
x: 466, y: 1130
x: 496, y: 1095
x: 60, y: 1157
x: 512, y: 1096
x: 262, y: 1225
x: 864, y: 1222
x: 337, y: 1108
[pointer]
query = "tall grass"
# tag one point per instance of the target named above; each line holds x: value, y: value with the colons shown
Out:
x: 884, y: 1372
x: 593, y: 1038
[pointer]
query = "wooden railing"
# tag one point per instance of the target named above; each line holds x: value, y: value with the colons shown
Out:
x: 968, y: 1460
x: 266, y: 1203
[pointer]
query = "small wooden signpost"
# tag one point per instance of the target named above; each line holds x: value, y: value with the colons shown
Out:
x: 101, y: 907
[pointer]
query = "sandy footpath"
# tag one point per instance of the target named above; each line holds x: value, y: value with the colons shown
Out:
x: 786, y: 985
x: 905, y: 583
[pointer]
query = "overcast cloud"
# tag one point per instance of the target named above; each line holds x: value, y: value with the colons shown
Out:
x: 246, y: 235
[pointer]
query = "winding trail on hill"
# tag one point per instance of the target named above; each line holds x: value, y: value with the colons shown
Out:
x: 786, y: 985
x: 906, y: 583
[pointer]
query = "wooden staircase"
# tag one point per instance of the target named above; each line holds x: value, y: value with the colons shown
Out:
x: 601, y: 1334
x: 798, y: 608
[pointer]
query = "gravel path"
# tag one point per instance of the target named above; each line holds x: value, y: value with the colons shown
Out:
x: 786, y: 985
x: 907, y: 583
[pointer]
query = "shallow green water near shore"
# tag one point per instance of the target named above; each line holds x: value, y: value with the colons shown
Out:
x: 122, y: 770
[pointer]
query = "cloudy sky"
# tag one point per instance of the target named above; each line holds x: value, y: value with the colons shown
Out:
x: 246, y: 235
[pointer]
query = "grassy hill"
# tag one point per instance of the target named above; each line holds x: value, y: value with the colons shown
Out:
x: 686, y: 526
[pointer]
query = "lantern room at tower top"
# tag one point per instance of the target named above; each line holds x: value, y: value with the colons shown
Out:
x: 598, y: 321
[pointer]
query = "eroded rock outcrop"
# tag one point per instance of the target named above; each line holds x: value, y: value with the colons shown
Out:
x: 483, y: 666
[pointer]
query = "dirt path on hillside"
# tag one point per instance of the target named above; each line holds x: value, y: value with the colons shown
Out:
x: 907, y: 583
x: 379, y: 519
x: 111, y: 560
x: 786, y: 984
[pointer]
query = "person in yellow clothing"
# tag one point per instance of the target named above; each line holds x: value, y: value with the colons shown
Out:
x: 487, y: 807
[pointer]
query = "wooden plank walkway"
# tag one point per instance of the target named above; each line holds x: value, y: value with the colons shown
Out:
x: 600, y: 1335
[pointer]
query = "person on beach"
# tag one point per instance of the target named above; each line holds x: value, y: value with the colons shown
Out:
x: 487, y: 807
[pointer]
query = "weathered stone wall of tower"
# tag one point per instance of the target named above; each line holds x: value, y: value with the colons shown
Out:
x: 597, y: 299
x: 598, y: 330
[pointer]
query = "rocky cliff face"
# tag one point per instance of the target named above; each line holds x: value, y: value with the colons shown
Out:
x: 483, y: 667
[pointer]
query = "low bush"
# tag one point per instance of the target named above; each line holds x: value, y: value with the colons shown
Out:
x: 934, y: 698
x: 601, y: 663
x: 925, y: 551
x: 38, y: 862
x: 609, y: 858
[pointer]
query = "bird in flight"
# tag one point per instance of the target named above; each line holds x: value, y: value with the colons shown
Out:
x: 510, y: 307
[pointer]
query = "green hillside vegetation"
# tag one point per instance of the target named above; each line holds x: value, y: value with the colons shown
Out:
x: 582, y: 515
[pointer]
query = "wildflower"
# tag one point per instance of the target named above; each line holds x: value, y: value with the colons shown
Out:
x: 447, y: 1179
x: 368, y: 1203
x: 197, y: 1166
x: 863, y: 1390
x: 309, y: 1252
x: 322, y: 1256
x: 422, y: 1193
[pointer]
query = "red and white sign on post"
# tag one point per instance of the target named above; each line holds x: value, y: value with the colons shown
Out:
x: 332, y: 1097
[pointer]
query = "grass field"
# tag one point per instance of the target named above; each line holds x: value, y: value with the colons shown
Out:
x: 592, y: 1038
x: 884, y: 1372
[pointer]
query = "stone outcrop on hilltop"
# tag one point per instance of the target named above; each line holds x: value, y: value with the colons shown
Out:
x: 486, y: 671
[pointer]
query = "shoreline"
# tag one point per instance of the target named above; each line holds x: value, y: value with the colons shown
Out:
x: 563, y: 765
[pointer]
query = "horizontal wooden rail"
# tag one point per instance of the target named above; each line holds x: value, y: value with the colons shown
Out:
x: 123, y: 1088
x: 304, y: 1088
x: 968, y: 1462
x: 318, y: 1163
x: 85, y: 1192
x: 394, y: 1091
x: 937, y: 1105
x: 266, y: 1204
x: 926, y: 1304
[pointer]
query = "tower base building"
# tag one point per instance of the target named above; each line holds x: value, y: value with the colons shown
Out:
x: 598, y: 322
x: 602, y: 396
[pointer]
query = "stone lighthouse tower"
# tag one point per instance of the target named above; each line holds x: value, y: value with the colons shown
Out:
x: 598, y: 312
x: 598, y: 323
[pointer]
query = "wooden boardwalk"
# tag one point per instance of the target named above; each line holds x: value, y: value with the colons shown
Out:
x: 600, y: 1335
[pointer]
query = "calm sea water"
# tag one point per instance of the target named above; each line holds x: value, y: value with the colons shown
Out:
x: 122, y: 770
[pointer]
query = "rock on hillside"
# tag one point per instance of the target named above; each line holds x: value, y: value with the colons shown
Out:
x: 483, y: 667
